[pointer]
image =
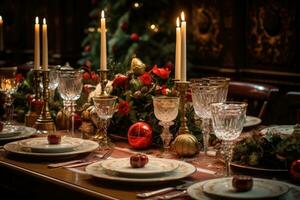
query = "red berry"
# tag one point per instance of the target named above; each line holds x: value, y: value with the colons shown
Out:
x: 86, y: 76
x: 135, y: 37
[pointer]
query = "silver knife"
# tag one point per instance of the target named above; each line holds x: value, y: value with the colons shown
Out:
x: 164, y: 190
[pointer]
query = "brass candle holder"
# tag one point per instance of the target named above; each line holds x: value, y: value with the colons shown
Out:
x: 36, y: 102
x: 103, y: 81
x: 101, y: 133
x: 182, y: 87
x: 45, y: 122
x: 185, y: 144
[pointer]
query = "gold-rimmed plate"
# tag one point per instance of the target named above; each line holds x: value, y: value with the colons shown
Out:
x: 155, y: 166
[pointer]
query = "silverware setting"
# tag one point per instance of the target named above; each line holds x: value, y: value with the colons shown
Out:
x: 181, y: 188
x: 91, y: 158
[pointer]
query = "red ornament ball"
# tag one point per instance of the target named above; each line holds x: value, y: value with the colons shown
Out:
x: 140, y: 135
x: 134, y: 37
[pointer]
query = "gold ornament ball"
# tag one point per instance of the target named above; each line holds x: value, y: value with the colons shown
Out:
x: 186, y: 145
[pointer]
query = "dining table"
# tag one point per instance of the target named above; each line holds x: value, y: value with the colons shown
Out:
x: 30, y: 178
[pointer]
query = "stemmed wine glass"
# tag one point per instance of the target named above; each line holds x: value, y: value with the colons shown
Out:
x: 228, y: 121
x: 8, y: 85
x: 69, y: 88
x: 105, y: 107
x: 204, y: 92
x: 166, y: 110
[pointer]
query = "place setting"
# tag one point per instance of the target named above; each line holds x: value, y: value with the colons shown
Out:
x: 52, y: 146
x: 140, y: 168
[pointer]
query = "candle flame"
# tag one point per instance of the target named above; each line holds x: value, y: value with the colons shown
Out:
x: 182, y: 16
x: 36, y: 20
x: 44, y: 21
x: 1, y: 21
x: 177, y: 22
x: 102, y: 14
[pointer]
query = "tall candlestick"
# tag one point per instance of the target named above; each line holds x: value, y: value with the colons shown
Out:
x: 103, y: 64
x: 45, y: 46
x: 178, y: 51
x: 183, y: 47
x: 36, y: 44
x: 1, y: 34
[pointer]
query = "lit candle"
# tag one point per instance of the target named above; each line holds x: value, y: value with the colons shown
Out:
x: 178, y: 51
x: 36, y: 44
x: 1, y: 34
x: 45, y: 46
x: 103, y: 65
x: 183, y: 47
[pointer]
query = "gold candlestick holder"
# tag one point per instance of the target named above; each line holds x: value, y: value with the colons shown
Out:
x: 103, y: 81
x: 182, y: 87
x: 45, y: 122
x: 36, y: 103
x: 185, y: 144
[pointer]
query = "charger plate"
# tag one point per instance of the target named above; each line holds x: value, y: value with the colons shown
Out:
x: 251, y: 121
x: 184, y: 169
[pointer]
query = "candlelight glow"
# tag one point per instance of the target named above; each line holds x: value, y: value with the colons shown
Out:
x: 36, y: 20
x: 177, y: 22
x: 44, y: 21
x: 136, y: 5
x: 102, y: 14
x: 1, y: 20
x: 182, y: 16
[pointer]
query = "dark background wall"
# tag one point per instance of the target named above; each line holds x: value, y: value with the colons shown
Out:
x: 67, y: 21
x: 250, y: 40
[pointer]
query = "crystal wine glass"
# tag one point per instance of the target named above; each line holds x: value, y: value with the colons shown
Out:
x: 204, y: 92
x: 166, y: 110
x: 69, y: 88
x: 105, y: 107
x: 8, y: 86
x: 228, y: 121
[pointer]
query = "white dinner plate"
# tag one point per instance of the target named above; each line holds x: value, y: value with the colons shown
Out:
x: 281, y: 129
x: 195, y: 191
x: 24, y: 132
x: 155, y: 166
x: 184, y: 169
x: 85, y: 147
x: 252, y: 121
x: 41, y: 144
x: 262, y: 189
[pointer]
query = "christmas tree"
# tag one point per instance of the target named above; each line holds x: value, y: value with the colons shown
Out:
x: 142, y: 28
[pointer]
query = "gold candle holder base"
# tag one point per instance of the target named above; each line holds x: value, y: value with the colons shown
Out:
x: 103, y: 81
x: 45, y: 122
x: 182, y: 87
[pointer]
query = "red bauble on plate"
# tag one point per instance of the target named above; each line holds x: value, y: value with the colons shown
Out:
x: 140, y: 135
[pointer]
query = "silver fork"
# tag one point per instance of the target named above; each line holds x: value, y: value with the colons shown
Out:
x: 80, y: 164
x: 84, y: 160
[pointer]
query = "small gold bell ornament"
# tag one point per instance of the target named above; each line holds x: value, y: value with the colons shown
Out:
x: 186, y: 145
